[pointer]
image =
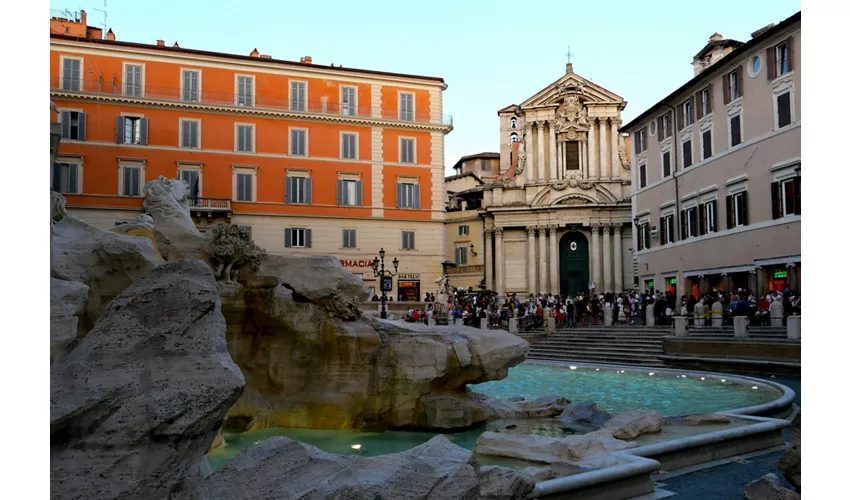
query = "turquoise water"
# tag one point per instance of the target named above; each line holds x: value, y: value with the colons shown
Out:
x: 617, y: 391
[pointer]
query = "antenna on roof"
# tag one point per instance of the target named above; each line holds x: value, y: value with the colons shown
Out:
x: 104, y: 16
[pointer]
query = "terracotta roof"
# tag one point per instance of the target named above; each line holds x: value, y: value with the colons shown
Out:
x: 485, y: 155
x: 98, y: 41
x: 719, y: 44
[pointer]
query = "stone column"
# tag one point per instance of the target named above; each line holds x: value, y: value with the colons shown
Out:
x: 592, y: 169
x: 604, y: 155
x: 488, y: 259
x: 553, y: 162
x: 500, y: 263
x: 543, y: 286
x: 615, y: 151
x: 532, y: 261
x: 529, y: 154
x: 596, y: 262
x: 554, y: 282
x: 606, y: 258
x: 541, y: 152
x: 618, y: 258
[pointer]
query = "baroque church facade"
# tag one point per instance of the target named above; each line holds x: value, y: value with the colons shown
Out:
x: 558, y: 219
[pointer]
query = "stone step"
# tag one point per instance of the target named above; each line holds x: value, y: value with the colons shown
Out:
x: 593, y: 340
x: 656, y: 363
x: 599, y: 352
x: 586, y: 346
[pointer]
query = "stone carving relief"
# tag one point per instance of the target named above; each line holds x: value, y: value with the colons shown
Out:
x: 621, y: 150
x: 521, y: 155
x: 571, y: 117
x: 575, y: 181
x: 231, y: 248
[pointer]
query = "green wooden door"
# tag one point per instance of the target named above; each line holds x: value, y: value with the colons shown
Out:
x: 575, y: 265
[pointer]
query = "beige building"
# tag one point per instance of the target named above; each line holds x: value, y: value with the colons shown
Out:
x: 558, y: 218
x: 716, y: 170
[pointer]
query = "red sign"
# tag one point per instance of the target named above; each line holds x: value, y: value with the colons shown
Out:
x: 355, y: 263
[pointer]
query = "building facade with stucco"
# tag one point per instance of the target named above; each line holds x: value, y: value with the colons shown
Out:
x: 558, y: 217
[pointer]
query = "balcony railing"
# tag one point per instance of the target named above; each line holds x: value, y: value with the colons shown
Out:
x: 260, y: 102
x: 210, y: 204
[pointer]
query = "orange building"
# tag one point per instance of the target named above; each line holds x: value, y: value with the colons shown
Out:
x: 313, y: 159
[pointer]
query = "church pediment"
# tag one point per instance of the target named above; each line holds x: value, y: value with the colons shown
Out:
x: 572, y: 84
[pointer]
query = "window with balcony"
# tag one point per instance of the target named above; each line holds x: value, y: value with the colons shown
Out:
x: 349, y: 192
x: 405, y: 110
x: 131, y: 180
x: 298, y: 237
x: 133, y: 80
x: 73, y: 125
x: 349, y: 145
x: 298, y: 142
x: 297, y: 96
x: 191, y: 85
x: 298, y: 190
x: 190, y: 134
x: 245, y: 91
x: 736, y: 210
x: 244, y: 138
x: 785, y: 197
x: 407, y: 195
x: 407, y: 149
x: 131, y: 130
x: 408, y: 240
x: 66, y: 178
x: 463, y: 230
x: 667, y: 229
x: 462, y: 256
x: 71, y: 73
x: 349, y: 101
x: 349, y: 238
x: 192, y: 178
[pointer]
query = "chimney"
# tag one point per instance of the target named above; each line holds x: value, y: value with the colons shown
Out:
x: 307, y: 60
x: 83, y: 18
x: 255, y: 53
x: 110, y: 35
x: 716, y: 37
x: 160, y: 43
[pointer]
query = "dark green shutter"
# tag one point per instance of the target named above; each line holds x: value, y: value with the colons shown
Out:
x: 399, y: 189
x: 745, y: 208
x: 730, y: 213
x: 796, y: 192
x: 308, y: 191
x: 287, y: 195
x: 287, y: 237
x: 703, y: 219
x: 143, y: 123
x: 663, y: 230
x: 81, y: 126
x: 65, y: 118
x: 416, y: 196
x: 72, y: 179
x: 340, y: 195
x: 57, y: 177
x: 776, y: 199
x: 119, y: 129
x: 308, y: 238
x: 358, y: 191
x: 683, y: 225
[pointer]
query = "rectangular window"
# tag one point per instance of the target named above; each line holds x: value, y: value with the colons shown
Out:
x: 667, y: 234
x: 708, y: 217
x: 783, y: 63
x: 407, y: 195
x: 245, y: 138
x: 71, y: 73
x: 190, y: 134
x: 706, y: 144
x: 297, y: 96
x: 132, y: 181
x: 131, y: 130
x: 665, y: 126
x: 736, y: 210
x: 643, y: 236
x: 133, y: 80
x: 73, y: 125
x: 735, y: 130
x: 191, y: 85
x: 705, y: 100
x: 407, y: 147
x: 485, y: 164
x: 408, y: 240
x: 297, y: 142
x: 641, y: 140
x: 245, y: 91
x: 783, y: 109
x: 244, y: 187
x: 463, y: 230
x: 405, y: 109
x: 785, y: 195
x: 349, y: 146
x: 298, y: 237
x: 687, y: 156
x: 461, y: 256
x: 349, y: 238
x: 349, y: 101
x: 572, y: 150
x: 665, y: 164
x: 349, y: 192
x: 690, y: 223
x: 298, y: 190
x: 66, y: 178
x: 191, y: 178
x: 642, y: 175
x: 687, y: 113
x: 734, y: 85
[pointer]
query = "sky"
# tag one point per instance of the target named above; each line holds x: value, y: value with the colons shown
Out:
x: 490, y: 54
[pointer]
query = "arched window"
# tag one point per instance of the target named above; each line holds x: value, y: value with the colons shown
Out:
x: 514, y: 138
x: 513, y: 122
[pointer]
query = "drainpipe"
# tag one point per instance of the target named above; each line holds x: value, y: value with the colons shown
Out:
x: 675, y: 160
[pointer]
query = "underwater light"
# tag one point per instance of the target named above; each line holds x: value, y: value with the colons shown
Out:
x: 723, y: 380
x: 355, y: 447
x: 572, y: 368
x: 755, y: 387
x: 684, y: 376
x: 651, y: 373
x: 702, y: 378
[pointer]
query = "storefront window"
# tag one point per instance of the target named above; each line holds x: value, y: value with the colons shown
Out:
x: 408, y: 291
x: 671, y: 285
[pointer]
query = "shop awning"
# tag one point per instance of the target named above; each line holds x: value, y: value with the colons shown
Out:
x: 720, y: 270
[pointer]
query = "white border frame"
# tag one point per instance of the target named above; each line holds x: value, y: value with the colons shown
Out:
x: 124, y: 65
x: 750, y: 72
x: 62, y: 59
x: 134, y: 164
x: 180, y: 121
x: 195, y: 168
x: 412, y: 102
x: 236, y: 77
x: 356, y: 145
x: 236, y: 126
x: 200, y: 73
x: 244, y: 169
x: 356, y: 99
x: 400, y: 149
x: 306, y: 96
x: 306, y: 141
x: 75, y: 160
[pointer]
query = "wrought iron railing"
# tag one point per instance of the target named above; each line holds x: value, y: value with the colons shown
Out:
x: 255, y: 101
x: 214, y: 204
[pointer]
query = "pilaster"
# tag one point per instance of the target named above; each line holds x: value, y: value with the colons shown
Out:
x: 618, y: 258
x: 532, y: 260
x: 377, y: 171
x: 554, y: 282
x: 376, y: 100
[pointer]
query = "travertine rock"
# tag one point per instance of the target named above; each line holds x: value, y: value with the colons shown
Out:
x: 67, y: 305
x: 134, y: 408
x: 106, y: 262
x: 282, y: 469
x: 710, y: 419
x: 463, y: 408
x: 586, y: 414
x: 790, y: 464
x: 586, y: 450
x: 769, y: 487
x: 504, y: 483
x: 539, y: 473
x: 142, y: 226
x: 631, y: 424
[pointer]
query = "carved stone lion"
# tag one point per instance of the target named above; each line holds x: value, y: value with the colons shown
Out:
x: 57, y: 207
x: 168, y: 200
x: 231, y: 248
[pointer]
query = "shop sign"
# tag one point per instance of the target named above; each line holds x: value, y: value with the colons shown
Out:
x: 780, y: 274
x: 386, y: 284
x: 355, y: 263
x: 650, y: 284
x: 408, y: 276
x: 672, y: 281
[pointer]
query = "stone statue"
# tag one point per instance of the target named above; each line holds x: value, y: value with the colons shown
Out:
x: 571, y: 115
x: 521, y: 155
x: 230, y: 249
x: 624, y: 157
x: 57, y: 207
x: 167, y: 200
x: 443, y: 293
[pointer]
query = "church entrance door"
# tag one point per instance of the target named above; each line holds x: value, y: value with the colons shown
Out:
x: 575, y: 263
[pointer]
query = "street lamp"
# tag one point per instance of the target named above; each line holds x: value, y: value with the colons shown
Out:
x: 386, y: 279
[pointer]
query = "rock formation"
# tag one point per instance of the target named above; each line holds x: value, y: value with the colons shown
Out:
x: 590, y: 451
x: 137, y: 404
x: 769, y: 487
x: 282, y: 469
x: 67, y: 306
x: 457, y: 409
x: 503, y: 483
x: 790, y: 463
x: 142, y: 226
x: 631, y: 424
x: 585, y: 414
